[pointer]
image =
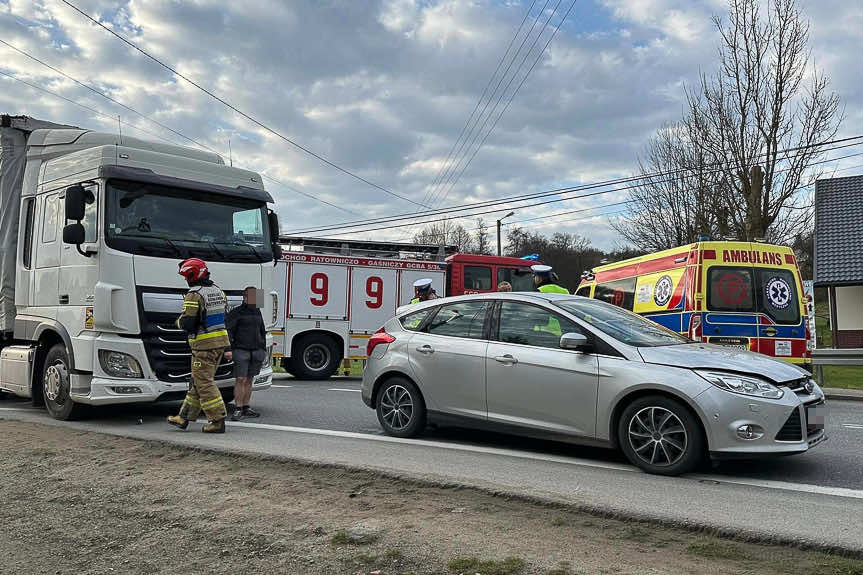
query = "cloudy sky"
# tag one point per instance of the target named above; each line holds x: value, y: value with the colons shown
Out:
x: 384, y: 89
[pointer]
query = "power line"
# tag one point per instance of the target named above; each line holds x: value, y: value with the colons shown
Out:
x: 80, y: 105
x: 445, y: 165
x: 511, y: 98
x: 144, y: 116
x: 711, y: 168
x: 238, y: 111
x: 496, y: 210
x: 491, y: 97
x: 106, y: 96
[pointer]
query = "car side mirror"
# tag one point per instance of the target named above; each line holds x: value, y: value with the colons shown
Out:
x: 74, y: 234
x: 76, y: 197
x: 574, y: 342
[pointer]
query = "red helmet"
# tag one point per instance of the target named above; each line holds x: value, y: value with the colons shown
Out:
x: 193, y: 269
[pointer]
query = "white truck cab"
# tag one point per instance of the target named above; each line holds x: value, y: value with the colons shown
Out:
x: 92, y: 228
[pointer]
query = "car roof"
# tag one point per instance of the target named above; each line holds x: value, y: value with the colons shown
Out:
x: 503, y: 296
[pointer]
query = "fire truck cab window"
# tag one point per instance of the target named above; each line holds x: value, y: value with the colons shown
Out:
x: 477, y: 277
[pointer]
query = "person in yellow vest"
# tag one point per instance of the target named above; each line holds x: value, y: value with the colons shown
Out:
x: 423, y: 290
x: 545, y: 280
x: 203, y: 320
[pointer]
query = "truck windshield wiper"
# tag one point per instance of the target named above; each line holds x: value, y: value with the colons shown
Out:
x: 167, y: 242
x: 251, y: 247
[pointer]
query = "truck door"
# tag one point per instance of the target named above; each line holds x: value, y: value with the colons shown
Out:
x: 373, y: 298
x: 408, y: 277
x: 78, y: 276
x: 47, y: 240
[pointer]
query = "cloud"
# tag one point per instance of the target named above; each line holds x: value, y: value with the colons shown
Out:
x: 384, y: 88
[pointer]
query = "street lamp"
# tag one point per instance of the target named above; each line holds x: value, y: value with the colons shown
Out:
x: 498, y: 229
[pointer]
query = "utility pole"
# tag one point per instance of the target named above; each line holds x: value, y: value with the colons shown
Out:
x: 498, y: 230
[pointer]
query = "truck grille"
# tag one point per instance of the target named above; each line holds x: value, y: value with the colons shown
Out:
x: 792, y: 430
x: 167, y: 349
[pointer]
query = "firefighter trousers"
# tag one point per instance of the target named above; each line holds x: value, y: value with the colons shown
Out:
x: 203, y: 394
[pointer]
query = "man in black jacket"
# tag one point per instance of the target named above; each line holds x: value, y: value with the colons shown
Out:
x: 246, y: 330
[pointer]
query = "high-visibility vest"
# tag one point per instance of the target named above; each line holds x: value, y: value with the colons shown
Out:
x: 553, y: 288
x: 211, y: 305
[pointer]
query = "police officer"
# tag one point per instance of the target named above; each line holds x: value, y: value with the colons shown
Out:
x: 203, y: 320
x: 545, y: 280
x: 423, y: 290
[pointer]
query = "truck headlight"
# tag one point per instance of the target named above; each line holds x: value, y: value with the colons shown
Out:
x: 742, y: 384
x: 118, y: 364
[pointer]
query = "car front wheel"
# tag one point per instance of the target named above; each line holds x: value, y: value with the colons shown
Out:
x: 400, y: 407
x: 660, y: 435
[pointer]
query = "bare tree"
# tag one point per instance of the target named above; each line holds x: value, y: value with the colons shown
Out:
x: 446, y: 233
x: 481, y: 242
x: 764, y: 106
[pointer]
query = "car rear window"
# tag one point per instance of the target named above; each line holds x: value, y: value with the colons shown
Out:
x: 413, y: 321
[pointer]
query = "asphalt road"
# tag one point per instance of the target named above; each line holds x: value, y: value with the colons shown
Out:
x: 816, y: 497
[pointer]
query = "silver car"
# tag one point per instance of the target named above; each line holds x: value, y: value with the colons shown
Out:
x: 566, y: 367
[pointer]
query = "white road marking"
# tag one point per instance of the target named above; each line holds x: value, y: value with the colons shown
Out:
x: 338, y: 389
x: 764, y: 483
x: 852, y: 426
x: 282, y: 386
x: 17, y: 409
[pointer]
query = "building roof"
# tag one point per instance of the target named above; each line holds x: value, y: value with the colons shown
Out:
x: 839, y: 231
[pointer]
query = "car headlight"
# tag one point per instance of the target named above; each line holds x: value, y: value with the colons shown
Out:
x: 742, y: 384
x: 118, y: 364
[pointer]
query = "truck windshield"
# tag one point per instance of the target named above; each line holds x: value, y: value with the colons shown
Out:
x: 155, y: 220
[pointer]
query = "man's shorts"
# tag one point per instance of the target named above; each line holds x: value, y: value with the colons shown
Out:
x: 248, y: 363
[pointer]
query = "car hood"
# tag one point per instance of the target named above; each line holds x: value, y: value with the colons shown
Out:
x: 707, y: 356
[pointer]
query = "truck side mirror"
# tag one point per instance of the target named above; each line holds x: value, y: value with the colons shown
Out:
x: 275, y: 230
x: 75, y: 202
x: 74, y: 234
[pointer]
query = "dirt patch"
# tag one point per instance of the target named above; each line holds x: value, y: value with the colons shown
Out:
x: 82, y: 503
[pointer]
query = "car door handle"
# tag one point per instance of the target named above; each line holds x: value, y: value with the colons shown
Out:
x: 507, y: 359
x: 425, y: 349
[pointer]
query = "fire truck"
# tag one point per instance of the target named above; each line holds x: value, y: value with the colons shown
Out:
x: 334, y: 294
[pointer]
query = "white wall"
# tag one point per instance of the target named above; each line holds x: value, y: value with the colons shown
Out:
x: 849, y: 307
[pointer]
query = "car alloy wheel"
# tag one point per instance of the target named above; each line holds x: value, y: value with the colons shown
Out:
x: 657, y: 436
x: 397, y: 407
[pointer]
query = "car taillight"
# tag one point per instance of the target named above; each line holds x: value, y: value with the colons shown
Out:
x: 379, y: 337
x: 695, y: 327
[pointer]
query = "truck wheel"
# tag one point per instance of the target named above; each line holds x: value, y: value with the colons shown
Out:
x: 315, y: 356
x: 56, y: 385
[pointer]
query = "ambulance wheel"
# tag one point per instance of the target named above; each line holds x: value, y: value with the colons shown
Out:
x: 315, y: 356
x: 57, y: 385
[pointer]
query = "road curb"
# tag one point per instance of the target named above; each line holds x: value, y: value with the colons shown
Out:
x: 843, y: 394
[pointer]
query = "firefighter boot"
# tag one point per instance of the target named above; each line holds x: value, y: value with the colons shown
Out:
x: 217, y: 426
x: 178, y: 421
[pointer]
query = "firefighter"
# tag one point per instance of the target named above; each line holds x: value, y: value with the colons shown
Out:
x: 545, y: 280
x: 203, y: 320
x: 423, y: 290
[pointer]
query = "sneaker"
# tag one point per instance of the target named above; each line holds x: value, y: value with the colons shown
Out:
x: 237, y: 415
x: 249, y: 412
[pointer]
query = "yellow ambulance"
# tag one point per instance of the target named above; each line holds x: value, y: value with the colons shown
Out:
x: 747, y: 295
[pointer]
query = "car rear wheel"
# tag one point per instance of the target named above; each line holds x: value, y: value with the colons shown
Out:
x: 401, y: 409
x: 660, y: 435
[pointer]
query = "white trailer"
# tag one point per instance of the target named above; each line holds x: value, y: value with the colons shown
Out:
x: 329, y: 305
x: 92, y: 227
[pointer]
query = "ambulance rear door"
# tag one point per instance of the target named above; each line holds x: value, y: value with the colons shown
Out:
x: 728, y: 295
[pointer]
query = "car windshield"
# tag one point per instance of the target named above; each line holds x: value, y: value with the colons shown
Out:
x: 620, y: 324
x: 150, y: 219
